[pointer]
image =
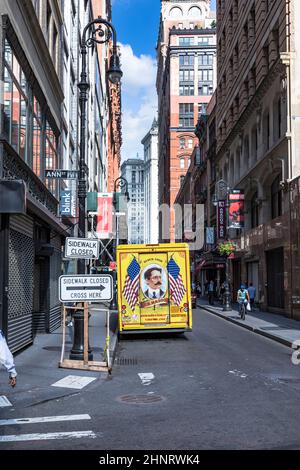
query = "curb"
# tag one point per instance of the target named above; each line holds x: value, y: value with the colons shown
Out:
x: 258, y: 331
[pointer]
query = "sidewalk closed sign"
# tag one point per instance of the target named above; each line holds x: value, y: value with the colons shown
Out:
x: 81, y: 248
x: 87, y: 288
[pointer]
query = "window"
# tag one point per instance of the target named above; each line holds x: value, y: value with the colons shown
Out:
x: 51, y: 157
x: 16, y: 103
x: 54, y: 45
x: 195, y: 12
x: 182, y: 143
x: 205, y: 90
x: 182, y: 165
x: 203, y: 40
x: 205, y: 59
x: 186, y: 115
x: 175, y: 12
x: 182, y: 180
x: 37, y: 7
x: 48, y: 20
x: 186, y: 41
x: 186, y: 90
x: 276, y: 197
x: 186, y: 75
x: 254, y: 211
x: 202, y: 108
x: 190, y: 143
x: 186, y: 60
x: 205, y: 75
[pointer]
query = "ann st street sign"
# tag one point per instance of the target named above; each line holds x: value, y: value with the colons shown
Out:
x: 86, y: 288
x: 62, y: 174
x: 81, y: 248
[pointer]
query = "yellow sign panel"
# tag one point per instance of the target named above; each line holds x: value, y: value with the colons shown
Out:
x: 154, y: 286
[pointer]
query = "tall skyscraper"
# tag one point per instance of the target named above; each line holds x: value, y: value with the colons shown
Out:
x: 133, y: 171
x: 150, y: 143
x: 186, y: 79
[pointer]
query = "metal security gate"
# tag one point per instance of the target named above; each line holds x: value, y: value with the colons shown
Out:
x: 275, y: 275
x: 55, y: 315
x: 20, y: 282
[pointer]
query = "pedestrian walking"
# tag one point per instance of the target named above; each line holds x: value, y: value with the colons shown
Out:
x: 211, y: 290
x: 7, y: 360
x: 252, y: 294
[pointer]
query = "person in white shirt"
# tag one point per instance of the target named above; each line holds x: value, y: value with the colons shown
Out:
x: 7, y: 360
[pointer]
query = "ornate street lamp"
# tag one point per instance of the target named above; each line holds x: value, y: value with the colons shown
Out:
x: 121, y: 183
x: 222, y: 194
x: 98, y: 31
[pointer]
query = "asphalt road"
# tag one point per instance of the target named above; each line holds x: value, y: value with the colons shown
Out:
x: 219, y: 387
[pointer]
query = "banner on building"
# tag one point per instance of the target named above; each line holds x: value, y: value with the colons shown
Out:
x: 236, y: 215
x: 65, y: 206
x: 210, y: 235
x: 104, y: 215
x: 221, y: 220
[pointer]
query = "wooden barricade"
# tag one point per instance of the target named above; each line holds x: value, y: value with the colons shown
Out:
x: 104, y: 366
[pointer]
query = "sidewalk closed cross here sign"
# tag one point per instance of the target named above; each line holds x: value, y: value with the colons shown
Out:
x: 86, y: 288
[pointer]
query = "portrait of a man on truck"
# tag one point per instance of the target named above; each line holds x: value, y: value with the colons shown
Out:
x: 153, y: 279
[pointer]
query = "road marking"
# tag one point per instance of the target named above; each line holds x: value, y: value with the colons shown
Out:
x: 146, y: 377
x: 4, y: 401
x: 48, y: 436
x: 238, y: 373
x: 74, y: 381
x: 43, y: 419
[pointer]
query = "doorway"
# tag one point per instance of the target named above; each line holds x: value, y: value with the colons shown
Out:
x: 275, y: 278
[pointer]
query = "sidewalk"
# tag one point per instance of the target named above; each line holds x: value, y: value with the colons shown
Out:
x: 273, y: 326
x: 37, y: 365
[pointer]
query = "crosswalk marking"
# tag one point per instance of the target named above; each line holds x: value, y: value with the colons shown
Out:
x: 4, y: 401
x: 48, y: 436
x: 44, y: 419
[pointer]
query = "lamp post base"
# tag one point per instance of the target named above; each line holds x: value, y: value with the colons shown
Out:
x: 77, y: 351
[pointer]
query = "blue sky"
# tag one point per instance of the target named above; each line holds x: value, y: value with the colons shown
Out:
x: 136, y: 23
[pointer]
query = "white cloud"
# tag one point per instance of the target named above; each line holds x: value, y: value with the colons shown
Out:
x: 139, y: 100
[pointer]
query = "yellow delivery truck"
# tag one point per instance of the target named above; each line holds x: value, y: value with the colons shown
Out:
x: 154, y: 292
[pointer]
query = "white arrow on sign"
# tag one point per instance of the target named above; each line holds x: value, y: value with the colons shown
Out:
x: 87, y: 288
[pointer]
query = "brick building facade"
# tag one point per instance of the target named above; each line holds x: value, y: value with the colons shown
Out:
x: 186, y: 79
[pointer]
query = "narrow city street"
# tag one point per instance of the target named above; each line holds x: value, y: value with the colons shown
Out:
x: 219, y: 387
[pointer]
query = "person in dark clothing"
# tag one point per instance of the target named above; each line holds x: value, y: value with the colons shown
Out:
x: 211, y: 290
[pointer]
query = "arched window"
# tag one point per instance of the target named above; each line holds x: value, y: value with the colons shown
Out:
x: 254, y: 211
x: 276, y: 197
x: 182, y: 143
x: 175, y: 12
x: 195, y: 12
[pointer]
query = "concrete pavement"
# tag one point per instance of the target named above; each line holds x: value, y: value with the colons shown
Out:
x: 273, y: 326
x: 38, y: 368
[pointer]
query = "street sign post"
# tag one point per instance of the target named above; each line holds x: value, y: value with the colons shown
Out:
x: 81, y: 248
x: 62, y: 174
x: 85, y: 288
